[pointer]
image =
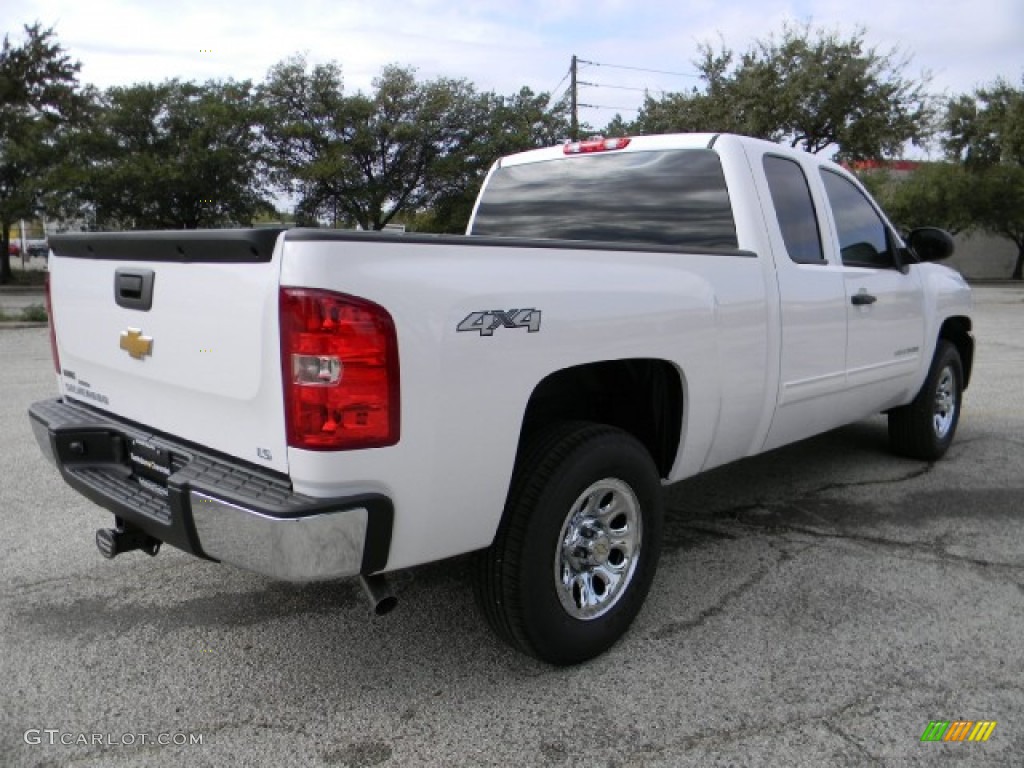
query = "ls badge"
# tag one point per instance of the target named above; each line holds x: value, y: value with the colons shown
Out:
x: 485, y: 323
x: 135, y: 344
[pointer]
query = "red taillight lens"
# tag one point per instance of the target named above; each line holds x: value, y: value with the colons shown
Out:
x: 594, y: 145
x: 339, y: 360
x: 50, y: 322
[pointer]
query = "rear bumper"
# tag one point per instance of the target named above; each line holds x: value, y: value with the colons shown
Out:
x: 209, y: 505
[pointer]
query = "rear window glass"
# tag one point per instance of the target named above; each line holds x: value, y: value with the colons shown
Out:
x: 794, y: 209
x: 670, y: 198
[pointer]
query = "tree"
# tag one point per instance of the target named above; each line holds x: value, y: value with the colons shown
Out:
x: 934, y: 194
x: 716, y: 106
x: 172, y: 155
x: 39, y: 99
x: 504, y: 125
x: 810, y: 88
x: 998, y: 195
x: 985, y: 132
x: 361, y: 159
x: 987, y: 127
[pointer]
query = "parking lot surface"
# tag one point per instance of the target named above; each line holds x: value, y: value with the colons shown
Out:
x: 819, y: 605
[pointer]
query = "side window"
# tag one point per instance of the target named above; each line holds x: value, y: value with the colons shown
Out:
x: 794, y: 209
x: 862, y: 233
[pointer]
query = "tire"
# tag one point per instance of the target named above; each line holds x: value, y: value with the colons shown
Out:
x: 578, y: 546
x: 924, y: 429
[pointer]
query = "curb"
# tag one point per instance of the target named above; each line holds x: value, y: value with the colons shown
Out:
x: 21, y: 290
x: 18, y: 325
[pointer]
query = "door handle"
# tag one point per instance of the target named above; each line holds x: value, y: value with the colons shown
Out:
x: 863, y: 299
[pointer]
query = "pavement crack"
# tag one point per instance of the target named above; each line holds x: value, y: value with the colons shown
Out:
x: 710, y: 531
x: 717, y: 738
x: 737, y: 512
x: 927, y: 548
x: 829, y: 487
x: 675, y: 627
x: 80, y: 581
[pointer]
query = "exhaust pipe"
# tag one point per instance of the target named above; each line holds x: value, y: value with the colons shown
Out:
x: 382, y: 599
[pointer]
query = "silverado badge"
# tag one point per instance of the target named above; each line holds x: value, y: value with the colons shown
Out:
x: 135, y: 344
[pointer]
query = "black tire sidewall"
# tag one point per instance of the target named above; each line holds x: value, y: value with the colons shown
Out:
x: 947, y: 356
x: 554, y: 634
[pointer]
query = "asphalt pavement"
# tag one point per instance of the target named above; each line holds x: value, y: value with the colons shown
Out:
x: 816, y: 606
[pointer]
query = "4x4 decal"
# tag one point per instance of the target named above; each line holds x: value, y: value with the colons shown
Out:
x: 487, y: 322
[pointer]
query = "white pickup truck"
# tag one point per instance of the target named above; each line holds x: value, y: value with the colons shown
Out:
x: 313, y: 404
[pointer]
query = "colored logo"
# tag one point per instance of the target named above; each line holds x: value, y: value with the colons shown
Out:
x: 958, y: 730
x: 135, y: 344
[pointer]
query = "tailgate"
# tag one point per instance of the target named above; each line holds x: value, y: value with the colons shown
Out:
x: 177, y: 331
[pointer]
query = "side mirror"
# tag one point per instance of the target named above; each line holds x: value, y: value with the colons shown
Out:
x: 930, y: 243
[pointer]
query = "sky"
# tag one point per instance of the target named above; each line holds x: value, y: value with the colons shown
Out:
x: 502, y: 45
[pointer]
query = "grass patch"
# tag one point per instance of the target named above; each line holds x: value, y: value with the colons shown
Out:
x: 32, y: 314
x: 35, y: 313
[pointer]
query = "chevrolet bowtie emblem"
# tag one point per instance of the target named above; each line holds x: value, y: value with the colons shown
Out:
x: 135, y: 344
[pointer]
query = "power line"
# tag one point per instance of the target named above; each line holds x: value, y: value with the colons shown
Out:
x: 575, y: 83
x: 605, y: 107
x: 639, y: 69
x: 619, y: 87
x: 554, y: 90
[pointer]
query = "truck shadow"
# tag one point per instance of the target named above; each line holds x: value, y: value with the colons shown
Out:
x: 807, y: 486
x: 704, y: 507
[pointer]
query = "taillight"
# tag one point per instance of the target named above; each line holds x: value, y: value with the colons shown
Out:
x: 339, y: 360
x: 50, y: 322
x: 598, y: 144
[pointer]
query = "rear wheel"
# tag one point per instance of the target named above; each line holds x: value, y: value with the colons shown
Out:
x: 578, y: 546
x: 924, y: 429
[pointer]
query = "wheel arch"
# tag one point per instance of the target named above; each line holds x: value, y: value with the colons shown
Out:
x: 642, y: 396
x: 957, y: 331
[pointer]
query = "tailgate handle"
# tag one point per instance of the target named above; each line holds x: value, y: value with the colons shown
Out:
x: 133, y: 288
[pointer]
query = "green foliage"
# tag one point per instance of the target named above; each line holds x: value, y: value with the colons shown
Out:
x: 810, y: 88
x: 985, y: 132
x: 420, y: 147
x: 998, y: 204
x: 360, y: 159
x: 935, y: 194
x: 39, y: 102
x: 986, y: 128
x: 416, y: 151
x: 173, y: 155
x: 36, y: 313
x: 505, y: 125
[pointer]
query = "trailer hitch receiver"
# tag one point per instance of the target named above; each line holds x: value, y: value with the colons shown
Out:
x: 112, y: 542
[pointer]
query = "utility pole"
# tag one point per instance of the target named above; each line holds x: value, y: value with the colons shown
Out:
x: 574, y: 118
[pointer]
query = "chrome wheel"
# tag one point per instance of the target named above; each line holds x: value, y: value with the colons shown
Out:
x: 945, y: 402
x: 598, y: 549
x: 565, y: 576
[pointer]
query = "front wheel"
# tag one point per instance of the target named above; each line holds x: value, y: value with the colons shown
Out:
x: 924, y: 429
x: 578, y: 545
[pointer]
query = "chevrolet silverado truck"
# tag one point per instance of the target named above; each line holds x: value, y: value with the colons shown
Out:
x: 313, y: 404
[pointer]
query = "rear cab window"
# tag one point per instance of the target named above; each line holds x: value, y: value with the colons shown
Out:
x: 658, y: 198
x: 794, y: 209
